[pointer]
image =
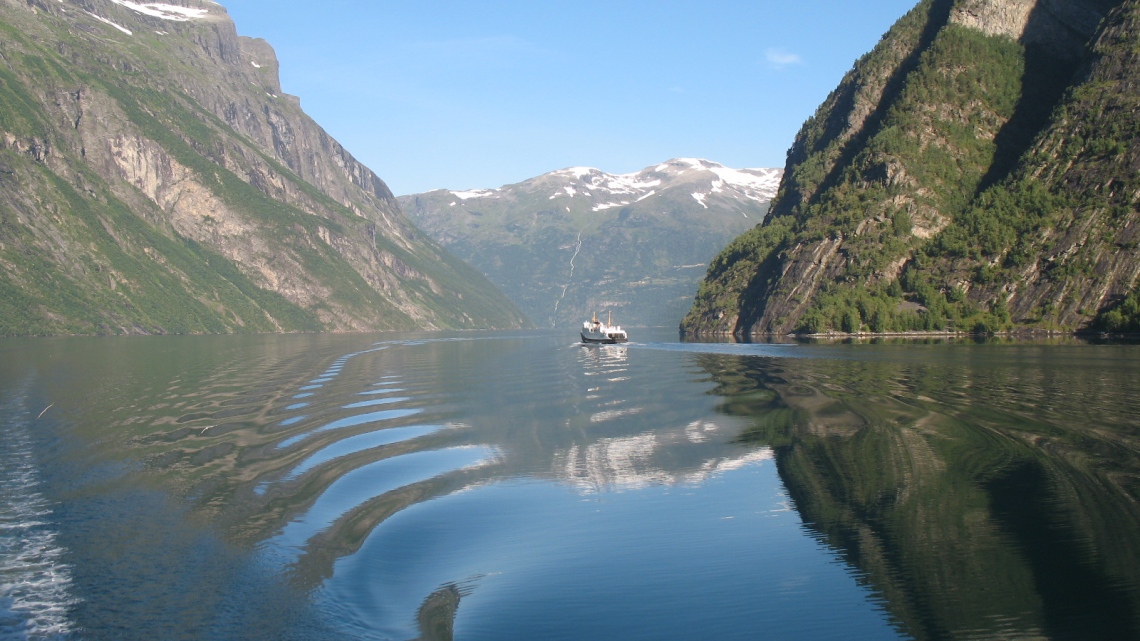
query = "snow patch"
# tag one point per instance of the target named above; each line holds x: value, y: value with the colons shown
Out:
x: 164, y: 11
x: 113, y: 24
x: 768, y: 179
x: 626, y: 183
x: 697, y: 163
x: 255, y: 65
x: 759, y: 185
x: 605, y: 206
x: 577, y: 172
x: 699, y: 197
x: 474, y: 193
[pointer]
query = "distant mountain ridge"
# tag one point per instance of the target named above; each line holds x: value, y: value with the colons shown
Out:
x: 618, y: 190
x: 576, y: 240
x: 155, y: 179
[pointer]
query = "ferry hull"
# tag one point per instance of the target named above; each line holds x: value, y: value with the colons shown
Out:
x: 608, y: 340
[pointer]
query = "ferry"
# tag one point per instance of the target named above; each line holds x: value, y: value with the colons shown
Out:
x: 595, y: 331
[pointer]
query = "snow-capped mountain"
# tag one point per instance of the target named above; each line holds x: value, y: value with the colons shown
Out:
x: 704, y: 178
x: 574, y: 240
x: 704, y: 181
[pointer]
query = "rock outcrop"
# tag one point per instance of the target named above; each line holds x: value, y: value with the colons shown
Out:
x: 156, y: 179
x: 976, y: 171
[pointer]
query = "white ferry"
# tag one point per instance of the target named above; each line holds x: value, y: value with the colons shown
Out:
x: 595, y: 331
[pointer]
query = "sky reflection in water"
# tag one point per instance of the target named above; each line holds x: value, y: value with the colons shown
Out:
x: 523, y: 487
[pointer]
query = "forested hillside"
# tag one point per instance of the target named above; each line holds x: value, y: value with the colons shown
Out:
x: 976, y: 171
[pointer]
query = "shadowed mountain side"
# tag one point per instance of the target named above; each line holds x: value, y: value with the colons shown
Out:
x: 969, y: 517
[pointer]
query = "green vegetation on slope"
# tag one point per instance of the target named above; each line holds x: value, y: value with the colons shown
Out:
x: 965, y: 203
x: 84, y: 251
x: 187, y: 296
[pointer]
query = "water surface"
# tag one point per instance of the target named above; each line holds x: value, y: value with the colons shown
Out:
x: 522, y: 486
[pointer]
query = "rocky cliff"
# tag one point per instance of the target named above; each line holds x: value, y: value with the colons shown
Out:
x: 977, y: 170
x: 571, y: 242
x: 155, y: 179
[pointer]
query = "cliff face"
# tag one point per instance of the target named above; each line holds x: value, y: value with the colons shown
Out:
x: 156, y: 179
x: 974, y: 171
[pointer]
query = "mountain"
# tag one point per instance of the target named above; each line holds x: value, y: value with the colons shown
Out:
x: 977, y: 170
x: 155, y: 179
x: 579, y: 240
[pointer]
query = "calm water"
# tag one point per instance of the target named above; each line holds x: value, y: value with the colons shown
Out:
x: 519, y: 486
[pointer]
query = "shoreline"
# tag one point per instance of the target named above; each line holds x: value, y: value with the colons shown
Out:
x: 1028, y: 334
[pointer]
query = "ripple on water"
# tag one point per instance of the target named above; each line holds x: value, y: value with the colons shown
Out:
x: 368, y: 482
x: 376, y: 401
x: 352, y: 421
x: 385, y: 390
x: 359, y: 443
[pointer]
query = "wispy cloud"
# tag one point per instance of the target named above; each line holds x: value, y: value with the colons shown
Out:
x: 779, y: 59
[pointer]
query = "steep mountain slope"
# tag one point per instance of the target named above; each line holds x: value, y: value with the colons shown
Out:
x: 977, y: 170
x: 577, y: 240
x: 155, y: 179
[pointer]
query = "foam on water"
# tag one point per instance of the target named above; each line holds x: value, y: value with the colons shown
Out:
x: 35, y: 584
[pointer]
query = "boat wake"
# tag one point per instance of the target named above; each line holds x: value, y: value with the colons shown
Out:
x: 35, y: 585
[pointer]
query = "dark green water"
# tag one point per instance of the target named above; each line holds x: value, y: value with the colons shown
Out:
x: 521, y: 486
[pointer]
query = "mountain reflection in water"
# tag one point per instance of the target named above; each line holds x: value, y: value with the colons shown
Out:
x: 986, y: 491
x: 492, y: 486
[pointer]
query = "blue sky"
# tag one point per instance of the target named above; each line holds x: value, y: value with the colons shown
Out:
x: 460, y: 95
